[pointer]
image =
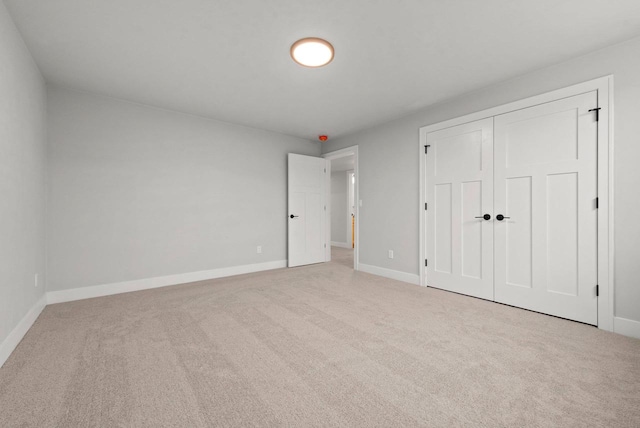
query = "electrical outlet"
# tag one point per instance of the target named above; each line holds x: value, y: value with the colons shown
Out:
x: 36, y: 280
x: 390, y: 254
x: 259, y: 249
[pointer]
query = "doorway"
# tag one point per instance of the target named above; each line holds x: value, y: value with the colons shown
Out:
x: 343, y: 206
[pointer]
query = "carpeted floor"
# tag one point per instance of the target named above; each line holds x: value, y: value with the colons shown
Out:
x: 314, y: 346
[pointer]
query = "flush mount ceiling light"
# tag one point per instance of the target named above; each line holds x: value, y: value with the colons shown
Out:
x: 312, y: 52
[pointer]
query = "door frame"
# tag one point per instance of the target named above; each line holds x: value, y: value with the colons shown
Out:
x: 337, y: 154
x: 351, y: 194
x: 604, y: 88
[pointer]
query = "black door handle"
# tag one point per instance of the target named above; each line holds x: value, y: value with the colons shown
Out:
x: 486, y: 217
x: 292, y: 216
x: 500, y: 217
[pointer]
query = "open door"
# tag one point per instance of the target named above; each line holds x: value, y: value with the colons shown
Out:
x: 306, y: 193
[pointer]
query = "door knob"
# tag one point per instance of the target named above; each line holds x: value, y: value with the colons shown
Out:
x: 292, y: 216
x: 500, y: 217
x: 486, y: 217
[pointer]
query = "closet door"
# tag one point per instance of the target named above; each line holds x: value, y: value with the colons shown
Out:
x: 459, y: 183
x: 546, y: 188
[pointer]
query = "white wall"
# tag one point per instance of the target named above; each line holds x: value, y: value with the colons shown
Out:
x: 339, y: 204
x: 22, y: 175
x: 389, y: 165
x: 138, y: 192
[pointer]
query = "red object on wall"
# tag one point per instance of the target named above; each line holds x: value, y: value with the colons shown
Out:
x: 323, y: 138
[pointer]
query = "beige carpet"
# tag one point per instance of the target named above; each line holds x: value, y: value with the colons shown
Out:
x: 314, y: 346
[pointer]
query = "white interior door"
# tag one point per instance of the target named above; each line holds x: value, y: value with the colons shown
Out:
x: 307, y: 209
x: 546, y: 187
x: 459, y: 178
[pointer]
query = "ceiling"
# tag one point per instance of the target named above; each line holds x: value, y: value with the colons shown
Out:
x: 346, y: 163
x: 229, y: 59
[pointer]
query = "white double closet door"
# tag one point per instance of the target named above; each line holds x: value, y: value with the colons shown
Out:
x: 533, y: 174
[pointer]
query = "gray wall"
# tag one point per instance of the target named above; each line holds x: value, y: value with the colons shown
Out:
x: 138, y: 192
x: 389, y: 165
x: 22, y: 173
x: 339, y: 203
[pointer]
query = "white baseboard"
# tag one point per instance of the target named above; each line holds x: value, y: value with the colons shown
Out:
x: 626, y: 327
x: 157, y: 282
x: 389, y: 273
x: 341, y: 245
x: 14, y: 338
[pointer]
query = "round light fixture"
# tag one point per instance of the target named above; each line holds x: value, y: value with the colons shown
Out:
x: 312, y: 52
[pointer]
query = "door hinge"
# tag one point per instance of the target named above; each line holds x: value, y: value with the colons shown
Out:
x: 325, y: 170
x: 325, y: 207
x: 325, y: 245
x: 425, y: 206
x: 597, y: 203
x: 597, y: 290
x: 426, y: 148
x: 597, y: 110
x: 425, y: 262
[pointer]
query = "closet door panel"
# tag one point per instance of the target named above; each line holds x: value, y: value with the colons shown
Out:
x: 459, y: 191
x: 546, y: 186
